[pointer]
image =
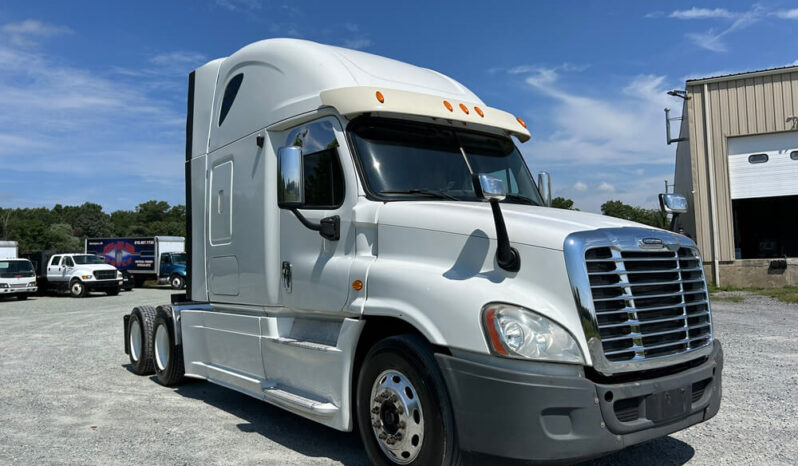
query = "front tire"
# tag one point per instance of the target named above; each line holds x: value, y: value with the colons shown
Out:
x: 139, y: 334
x: 112, y: 292
x: 167, y: 356
x: 403, y: 410
x: 22, y: 297
x: 177, y: 282
x: 77, y: 289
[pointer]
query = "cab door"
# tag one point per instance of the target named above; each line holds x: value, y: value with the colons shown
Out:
x: 55, y: 273
x: 315, y: 269
x: 166, y: 264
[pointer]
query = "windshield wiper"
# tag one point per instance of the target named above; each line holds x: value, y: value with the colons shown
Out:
x: 520, y: 199
x: 423, y: 192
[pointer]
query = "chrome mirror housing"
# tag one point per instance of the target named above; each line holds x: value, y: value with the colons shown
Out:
x: 290, y: 183
x: 544, y: 185
x: 492, y: 187
x: 673, y: 203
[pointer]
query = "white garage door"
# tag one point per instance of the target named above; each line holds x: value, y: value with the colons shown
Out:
x: 765, y: 165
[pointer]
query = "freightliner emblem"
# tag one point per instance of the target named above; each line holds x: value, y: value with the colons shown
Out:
x: 651, y: 243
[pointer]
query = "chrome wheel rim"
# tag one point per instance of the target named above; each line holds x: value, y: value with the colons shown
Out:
x: 135, y: 340
x: 176, y: 282
x: 77, y: 288
x: 161, y: 347
x: 397, y: 419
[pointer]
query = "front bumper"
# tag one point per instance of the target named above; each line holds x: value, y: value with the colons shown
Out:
x: 92, y: 285
x: 21, y: 290
x: 529, y: 416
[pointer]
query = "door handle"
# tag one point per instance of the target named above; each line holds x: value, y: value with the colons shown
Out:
x: 286, y: 274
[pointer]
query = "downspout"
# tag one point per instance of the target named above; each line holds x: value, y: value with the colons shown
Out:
x: 711, y: 169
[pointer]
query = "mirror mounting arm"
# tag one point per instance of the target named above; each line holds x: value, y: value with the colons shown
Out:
x: 507, y: 256
x: 329, y: 227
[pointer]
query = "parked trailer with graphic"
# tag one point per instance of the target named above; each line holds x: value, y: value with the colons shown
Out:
x: 160, y: 258
x: 368, y: 247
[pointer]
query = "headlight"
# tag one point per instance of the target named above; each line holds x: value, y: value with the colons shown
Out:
x: 515, y: 332
x: 31, y: 284
x: 3, y: 285
x: 118, y: 274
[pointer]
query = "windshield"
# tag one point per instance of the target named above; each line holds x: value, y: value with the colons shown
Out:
x: 88, y: 259
x: 179, y: 258
x: 403, y: 160
x: 12, y: 269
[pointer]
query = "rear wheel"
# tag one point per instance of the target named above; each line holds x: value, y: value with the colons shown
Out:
x: 177, y: 282
x: 167, y: 355
x: 139, y: 333
x: 76, y: 288
x: 403, y: 410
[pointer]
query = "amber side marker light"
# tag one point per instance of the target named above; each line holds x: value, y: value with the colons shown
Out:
x: 448, y: 105
x: 357, y: 285
x: 493, y: 332
x: 523, y: 123
x: 464, y: 109
x: 479, y: 112
x: 380, y: 97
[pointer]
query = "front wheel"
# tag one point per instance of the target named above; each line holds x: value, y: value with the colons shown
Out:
x: 22, y: 297
x: 77, y: 289
x: 177, y: 282
x: 403, y: 410
x: 112, y: 291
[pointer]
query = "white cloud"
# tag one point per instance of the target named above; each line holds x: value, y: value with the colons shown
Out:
x: 357, y: 44
x: 178, y: 57
x: 239, y: 5
x: 606, y: 187
x: 788, y: 14
x: 26, y: 32
x: 579, y: 186
x: 702, y: 13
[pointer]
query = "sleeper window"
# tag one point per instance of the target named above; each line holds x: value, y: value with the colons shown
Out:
x: 230, y: 93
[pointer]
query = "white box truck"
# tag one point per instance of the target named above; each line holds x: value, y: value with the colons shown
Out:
x: 8, y: 249
x: 368, y: 247
x: 160, y: 258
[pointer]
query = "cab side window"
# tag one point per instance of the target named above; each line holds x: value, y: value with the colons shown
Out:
x: 165, y: 259
x: 55, y: 261
x: 68, y: 262
x: 324, y: 178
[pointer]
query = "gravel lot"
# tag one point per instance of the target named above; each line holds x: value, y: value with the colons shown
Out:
x: 67, y: 397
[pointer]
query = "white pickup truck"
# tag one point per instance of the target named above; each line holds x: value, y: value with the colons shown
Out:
x: 82, y: 273
x: 367, y: 247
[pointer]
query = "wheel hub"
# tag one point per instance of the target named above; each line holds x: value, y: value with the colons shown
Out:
x: 396, y: 417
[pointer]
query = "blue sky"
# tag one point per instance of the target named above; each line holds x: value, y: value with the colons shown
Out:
x: 92, y: 94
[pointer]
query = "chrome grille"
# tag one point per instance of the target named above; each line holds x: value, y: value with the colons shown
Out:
x: 105, y: 274
x: 648, y: 303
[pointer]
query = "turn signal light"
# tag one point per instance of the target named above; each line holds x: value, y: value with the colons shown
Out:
x: 448, y: 105
x: 357, y: 285
x: 380, y: 97
x: 521, y: 121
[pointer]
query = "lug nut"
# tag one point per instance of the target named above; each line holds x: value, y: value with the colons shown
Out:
x: 375, y: 410
x: 394, y: 398
x: 383, y: 436
x: 377, y: 424
x: 402, y: 424
x: 398, y: 436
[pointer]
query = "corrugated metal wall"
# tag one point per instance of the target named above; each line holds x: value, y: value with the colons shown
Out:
x: 738, y: 107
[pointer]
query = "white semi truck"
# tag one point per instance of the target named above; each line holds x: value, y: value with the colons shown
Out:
x: 367, y: 247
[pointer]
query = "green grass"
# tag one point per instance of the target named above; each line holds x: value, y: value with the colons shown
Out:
x: 788, y: 294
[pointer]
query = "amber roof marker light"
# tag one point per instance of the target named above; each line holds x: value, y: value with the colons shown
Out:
x: 464, y: 108
x: 523, y: 123
x: 448, y: 105
x: 479, y: 112
x: 380, y: 97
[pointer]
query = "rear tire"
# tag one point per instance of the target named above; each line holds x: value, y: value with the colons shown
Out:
x: 139, y: 334
x: 403, y: 410
x: 167, y: 356
x: 77, y: 289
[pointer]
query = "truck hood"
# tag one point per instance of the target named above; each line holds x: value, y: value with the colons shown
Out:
x: 535, y: 226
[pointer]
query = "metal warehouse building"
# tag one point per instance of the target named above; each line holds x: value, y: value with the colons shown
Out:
x: 737, y: 164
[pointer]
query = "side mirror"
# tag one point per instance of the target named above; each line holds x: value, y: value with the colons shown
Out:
x: 544, y: 185
x: 491, y: 187
x: 673, y: 203
x: 290, y: 182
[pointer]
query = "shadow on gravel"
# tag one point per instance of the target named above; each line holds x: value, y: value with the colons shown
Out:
x: 290, y: 430
x: 661, y: 451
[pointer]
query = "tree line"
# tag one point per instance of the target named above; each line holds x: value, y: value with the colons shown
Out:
x: 652, y: 217
x: 66, y: 227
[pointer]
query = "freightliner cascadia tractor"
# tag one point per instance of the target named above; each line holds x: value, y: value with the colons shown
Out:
x: 368, y: 247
